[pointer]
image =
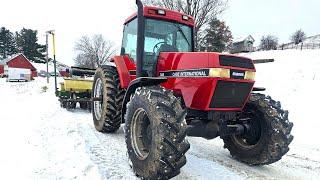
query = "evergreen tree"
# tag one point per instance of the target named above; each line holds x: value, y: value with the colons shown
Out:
x: 217, y: 36
x: 7, y: 43
x: 27, y: 44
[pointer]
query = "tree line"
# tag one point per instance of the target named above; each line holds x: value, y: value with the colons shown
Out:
x: 24, y: 41
x: 210, y: 33
x: 270, y: 42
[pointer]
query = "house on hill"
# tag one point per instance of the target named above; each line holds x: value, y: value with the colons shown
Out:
x: 17, y: 61
x: 243, y: 45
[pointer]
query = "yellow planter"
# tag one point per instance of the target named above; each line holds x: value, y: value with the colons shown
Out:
x: 80, y: 85
x: 62, y: 87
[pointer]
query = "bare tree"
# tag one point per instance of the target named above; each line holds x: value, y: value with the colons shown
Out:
x: 298, y: 36
x: 202, y: 10
x: 93, y: 52
x: 269, y: 42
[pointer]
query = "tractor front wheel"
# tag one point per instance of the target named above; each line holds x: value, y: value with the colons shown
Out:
x: 267, y: 137
x: 155, y: 132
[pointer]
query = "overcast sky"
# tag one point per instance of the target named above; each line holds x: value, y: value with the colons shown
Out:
x: 73, y: 18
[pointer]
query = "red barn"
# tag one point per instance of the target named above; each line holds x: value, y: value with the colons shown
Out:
x: 1, y: 69
x: 18, y: 61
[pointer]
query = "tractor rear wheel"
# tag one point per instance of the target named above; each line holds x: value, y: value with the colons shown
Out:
x: 155, y: 131
x: 268, y: 136
x: 107, y: 112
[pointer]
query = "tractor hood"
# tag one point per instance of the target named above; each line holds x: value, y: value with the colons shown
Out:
x: 208, y: 81
x: 175, y: 61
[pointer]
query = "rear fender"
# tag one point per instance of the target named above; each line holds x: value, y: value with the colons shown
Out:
x: 124, y: 65
x: 139, y: 82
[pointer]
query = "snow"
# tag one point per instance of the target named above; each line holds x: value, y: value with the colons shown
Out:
x: 313, y: 39
x: 40, y: 140
x: 294, y: 80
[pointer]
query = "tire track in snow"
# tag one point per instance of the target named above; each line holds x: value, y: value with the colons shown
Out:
x: 108, y: 151
x: 286, y: 168
x: 205, y: 159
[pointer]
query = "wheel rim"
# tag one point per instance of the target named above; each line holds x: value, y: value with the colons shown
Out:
x: 97, y: 105
x: 253, y: 135
x: 141, y: 134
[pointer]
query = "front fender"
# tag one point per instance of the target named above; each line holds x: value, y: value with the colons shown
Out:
x: 139, y: 82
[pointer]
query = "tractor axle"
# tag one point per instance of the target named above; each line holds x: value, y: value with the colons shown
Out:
x: 213, y: 129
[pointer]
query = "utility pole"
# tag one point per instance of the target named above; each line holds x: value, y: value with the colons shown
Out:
x: 54, y: 62
x: 47, y: 56
x: 54, y: 59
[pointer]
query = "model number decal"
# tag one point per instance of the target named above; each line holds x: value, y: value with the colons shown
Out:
x: 237, y: 74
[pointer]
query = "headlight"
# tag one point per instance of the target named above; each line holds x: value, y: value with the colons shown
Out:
x: 219, y: 72
x: 250, y: 75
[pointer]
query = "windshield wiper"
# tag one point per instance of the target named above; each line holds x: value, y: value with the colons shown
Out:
x: 183, y: 34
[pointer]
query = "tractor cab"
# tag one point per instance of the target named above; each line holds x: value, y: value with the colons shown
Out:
x: 161, y: 31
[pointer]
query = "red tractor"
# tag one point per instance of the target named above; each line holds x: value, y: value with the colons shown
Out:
x: 163, y: 91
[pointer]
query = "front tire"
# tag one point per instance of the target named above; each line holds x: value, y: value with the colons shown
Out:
x: 107, y: 113
x: 155, y: 132
x: 268, y: 136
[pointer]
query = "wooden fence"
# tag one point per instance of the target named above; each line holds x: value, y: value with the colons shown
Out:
x: 299, y: 46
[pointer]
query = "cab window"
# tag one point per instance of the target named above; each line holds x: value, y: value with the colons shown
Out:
x: 129, y: 42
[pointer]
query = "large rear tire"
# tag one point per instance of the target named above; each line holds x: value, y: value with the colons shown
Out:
x: 155, y: 131
x: 107, y: 113
x: 268, y: 136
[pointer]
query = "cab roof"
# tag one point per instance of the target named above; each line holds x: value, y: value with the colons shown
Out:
x: 169, y: 15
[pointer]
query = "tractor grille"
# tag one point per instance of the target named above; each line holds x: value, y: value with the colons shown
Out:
x: 236, y: 62
x: 230, y: 94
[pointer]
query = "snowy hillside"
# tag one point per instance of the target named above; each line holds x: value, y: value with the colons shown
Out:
x: 294, y: 79
x: 313, y: 39
x: 40, y: 140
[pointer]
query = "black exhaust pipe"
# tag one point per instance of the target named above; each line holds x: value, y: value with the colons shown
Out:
x: 140, y: 39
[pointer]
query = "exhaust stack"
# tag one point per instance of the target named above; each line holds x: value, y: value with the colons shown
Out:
x: 140, y: 38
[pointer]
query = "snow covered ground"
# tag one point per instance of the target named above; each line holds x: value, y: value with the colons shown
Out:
x: 40, y: 140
